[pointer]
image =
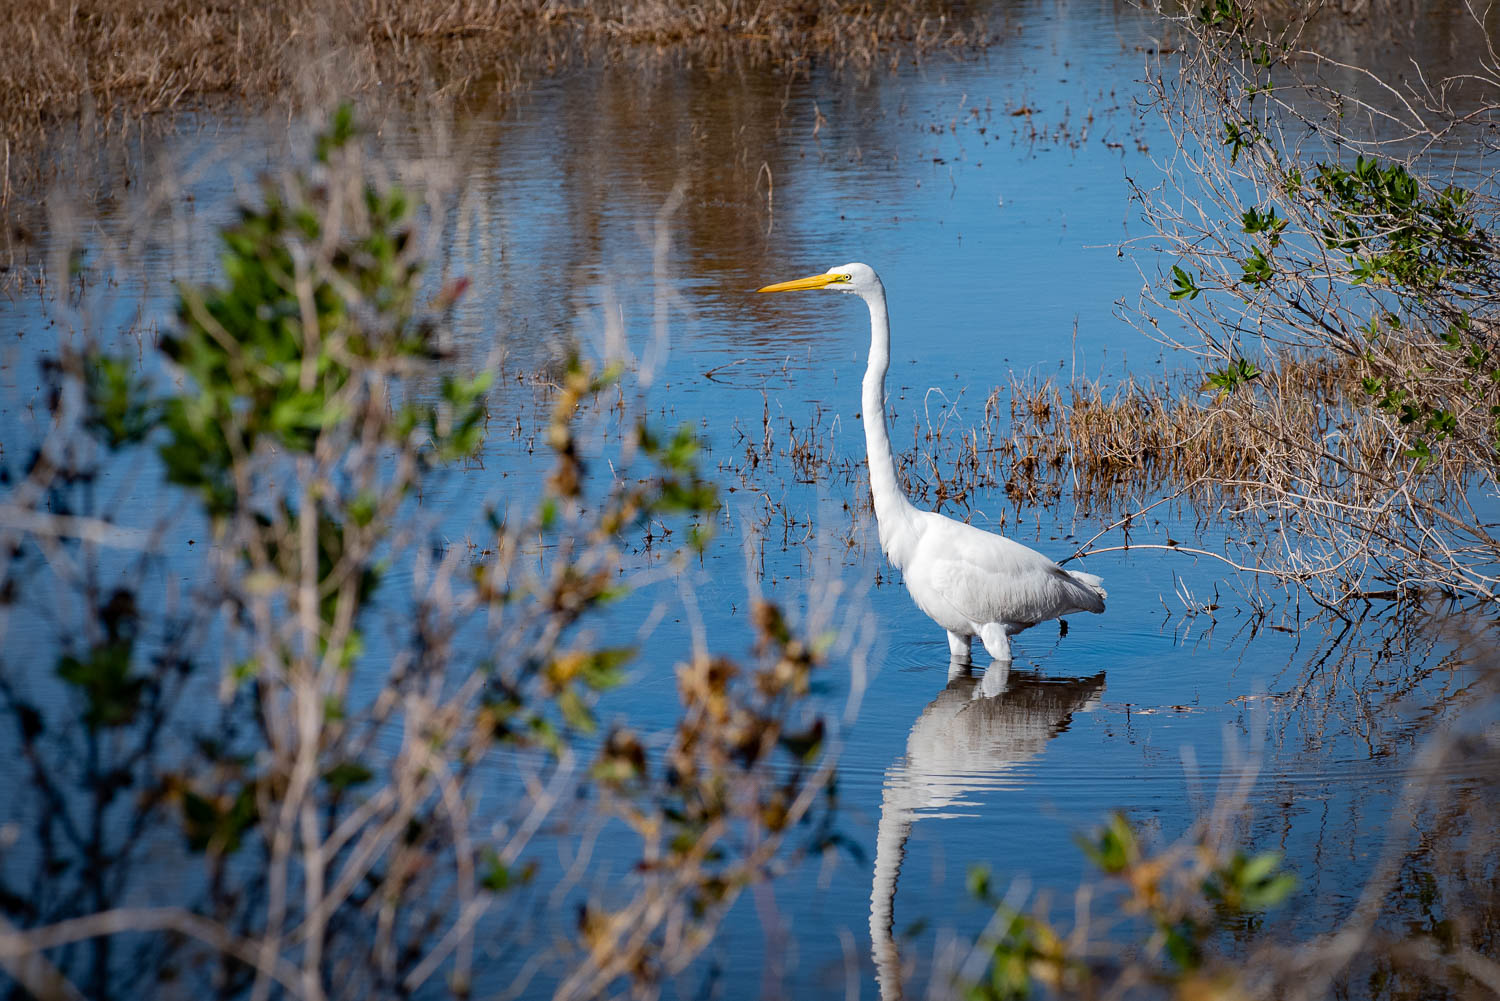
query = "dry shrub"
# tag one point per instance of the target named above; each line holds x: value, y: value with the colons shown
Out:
x: 1320, y: 198
x: 263, y: 783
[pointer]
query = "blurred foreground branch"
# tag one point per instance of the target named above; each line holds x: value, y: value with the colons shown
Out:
x: 345, y: 803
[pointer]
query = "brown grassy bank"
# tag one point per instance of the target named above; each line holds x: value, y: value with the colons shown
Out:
x: 1319, y: 480
x: 114, y: 61
x: 1106, y: 445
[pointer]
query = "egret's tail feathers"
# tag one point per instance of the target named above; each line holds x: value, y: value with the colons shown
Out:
x: 1093, y: 583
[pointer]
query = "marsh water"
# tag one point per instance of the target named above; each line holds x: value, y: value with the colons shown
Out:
x: 635, y: 211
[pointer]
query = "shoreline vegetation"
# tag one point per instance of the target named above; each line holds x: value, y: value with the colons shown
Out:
x: 110, y: 66
x: 340, y: 795
x: 1347, y: 216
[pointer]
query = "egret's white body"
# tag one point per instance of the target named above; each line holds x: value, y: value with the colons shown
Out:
x: 969, y: 581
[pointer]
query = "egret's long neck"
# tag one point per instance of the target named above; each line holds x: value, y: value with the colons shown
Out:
x: 893, y: 512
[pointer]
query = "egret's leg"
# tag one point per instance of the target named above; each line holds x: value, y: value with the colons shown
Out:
x: 996, y: 639
x: 958, y: 647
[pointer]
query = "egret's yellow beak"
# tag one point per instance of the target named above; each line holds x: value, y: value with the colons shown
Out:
x: 813, y: 281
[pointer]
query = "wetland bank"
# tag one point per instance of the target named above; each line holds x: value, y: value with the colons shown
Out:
x: 444, y: 576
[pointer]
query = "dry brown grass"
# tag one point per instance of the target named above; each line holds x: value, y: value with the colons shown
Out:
x: 1301, y: 463
x: 1145, y: 437
x: 117, y: 60
x: 1102, y: 448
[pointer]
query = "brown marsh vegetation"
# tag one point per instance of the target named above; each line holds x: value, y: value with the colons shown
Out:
x: 1345, y: 215
x: 116, y: 63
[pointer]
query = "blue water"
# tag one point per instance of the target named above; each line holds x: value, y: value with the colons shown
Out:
x: 998, y: 236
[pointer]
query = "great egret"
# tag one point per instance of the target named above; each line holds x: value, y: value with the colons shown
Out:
x: 969, y: 581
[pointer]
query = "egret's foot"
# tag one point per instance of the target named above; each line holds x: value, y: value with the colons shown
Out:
x: 960, y: 668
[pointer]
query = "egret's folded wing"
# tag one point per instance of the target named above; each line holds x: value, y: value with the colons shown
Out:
x: 1010, y: 583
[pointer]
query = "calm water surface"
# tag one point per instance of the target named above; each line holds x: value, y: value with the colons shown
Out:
x: 610, y: 211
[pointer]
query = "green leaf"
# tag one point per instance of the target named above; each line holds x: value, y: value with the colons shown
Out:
x: 1115, y: 847
x: 112, y: 695
x: 1249, y: 883
x: 1186, y: 285
x: 604, y: 669
x: 118, y: 404
x: 575, y: 711
x: 1257, y: 269
x: 497, y: 877
x: 805, y: 745
x: 978, y: 882
x: 347, y: 774
x: 545, y: 735
x: 340, y: 130
x: 1181, y: 940
x: 213, y: 825
x: 1240, y: 372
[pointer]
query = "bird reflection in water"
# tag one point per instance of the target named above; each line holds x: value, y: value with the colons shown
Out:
x: 966, y: 741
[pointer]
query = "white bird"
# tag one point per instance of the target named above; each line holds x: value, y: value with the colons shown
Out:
x: 969, y: 581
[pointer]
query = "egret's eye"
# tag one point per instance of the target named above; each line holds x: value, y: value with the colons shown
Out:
x: 842, y: 279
